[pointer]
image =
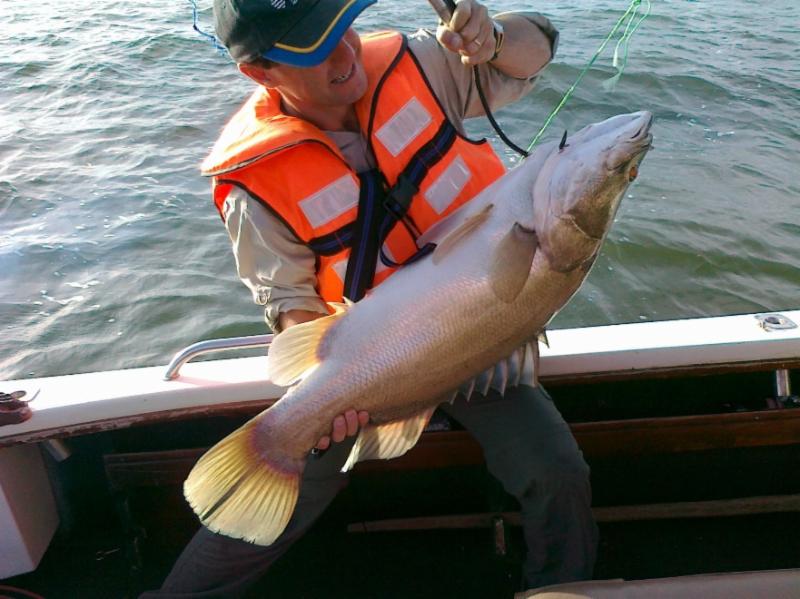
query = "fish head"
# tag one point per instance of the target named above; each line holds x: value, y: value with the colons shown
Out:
x: 581, y: 183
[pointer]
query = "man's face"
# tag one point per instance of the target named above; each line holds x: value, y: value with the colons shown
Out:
x: 339, y: 81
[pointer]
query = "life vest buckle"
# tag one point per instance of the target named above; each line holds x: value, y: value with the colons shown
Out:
x: 398, y: 198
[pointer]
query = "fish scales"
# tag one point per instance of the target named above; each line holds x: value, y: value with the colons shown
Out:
x: 504, y: 265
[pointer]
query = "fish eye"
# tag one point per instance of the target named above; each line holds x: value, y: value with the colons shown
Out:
x: 633, y: 173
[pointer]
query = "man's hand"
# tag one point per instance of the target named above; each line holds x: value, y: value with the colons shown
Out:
x: 344, y: 425
x: 470, y: 32
x: 525, y: 51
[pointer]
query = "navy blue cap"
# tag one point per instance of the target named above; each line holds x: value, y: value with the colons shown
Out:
x: 301, y: 33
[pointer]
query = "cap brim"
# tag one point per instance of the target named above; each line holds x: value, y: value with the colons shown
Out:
x: 312, y: 39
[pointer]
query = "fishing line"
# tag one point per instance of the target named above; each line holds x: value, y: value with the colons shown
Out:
x: 609, y: 84
x: 445, y: 9
x: 212, y: 38
x: 488, y: 112
x: 628, y: 14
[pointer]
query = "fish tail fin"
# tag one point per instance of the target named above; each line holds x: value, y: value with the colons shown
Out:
x: 389, y: 440
x: 237, y: 491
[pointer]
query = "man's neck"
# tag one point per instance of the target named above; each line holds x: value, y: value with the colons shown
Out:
x: 327, y: 118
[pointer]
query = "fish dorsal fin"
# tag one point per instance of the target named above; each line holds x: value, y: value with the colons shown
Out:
x: 517, y: 369
x: 530, y: 366
x: 389, y: 440
x: 452, y: 238
x: 500, y: 379
x: 542, y: 338
x: 511, y: 262
x: 293, y: 352
x: 467, y: 388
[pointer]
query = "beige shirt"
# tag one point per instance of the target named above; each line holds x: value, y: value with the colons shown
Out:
x: 277, y: 267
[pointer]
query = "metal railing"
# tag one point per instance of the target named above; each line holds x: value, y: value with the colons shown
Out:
x: 768, y: 321
x: 213, y: 345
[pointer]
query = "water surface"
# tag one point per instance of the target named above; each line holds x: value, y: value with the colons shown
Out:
x: 112, y: 255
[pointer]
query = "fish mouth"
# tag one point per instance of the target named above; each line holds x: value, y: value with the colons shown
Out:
x: 644, y: 130
x: 639, y: 143
x: 643, y: 139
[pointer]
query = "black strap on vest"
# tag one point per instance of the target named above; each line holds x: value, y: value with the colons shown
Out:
x: 366, y: 242
x: 333, y: 243
x: 399, y: 198
x: 379, y: 211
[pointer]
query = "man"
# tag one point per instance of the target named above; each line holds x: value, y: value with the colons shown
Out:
x: 349, y: 149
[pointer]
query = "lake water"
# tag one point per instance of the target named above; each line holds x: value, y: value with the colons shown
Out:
x: 112, y: 255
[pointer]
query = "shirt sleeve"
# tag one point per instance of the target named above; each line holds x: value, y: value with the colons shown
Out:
x: 453, y: 83
x: 277, y: 267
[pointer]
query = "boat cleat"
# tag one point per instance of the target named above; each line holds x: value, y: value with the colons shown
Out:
x: 14, y: 408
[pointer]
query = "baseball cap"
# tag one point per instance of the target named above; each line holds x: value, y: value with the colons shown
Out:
x: 301, y: 33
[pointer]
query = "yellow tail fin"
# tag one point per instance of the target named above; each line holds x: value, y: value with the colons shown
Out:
x: 237, y: 493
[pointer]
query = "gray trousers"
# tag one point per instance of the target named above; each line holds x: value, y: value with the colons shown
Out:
x: 527, y: 446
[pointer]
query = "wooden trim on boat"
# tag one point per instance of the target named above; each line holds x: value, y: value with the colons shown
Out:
x: 611, y: 438
x: 689, y: 433
x: 457, y: 448
x: 744, y: 506
x: 672, y: 372
x: 243, y: 408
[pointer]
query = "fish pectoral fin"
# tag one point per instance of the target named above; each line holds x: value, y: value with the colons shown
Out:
x: 389, y: 440
x: 452, y: 239
x: 511, y: 262
x: 293, y: 352
x: 237, y: 492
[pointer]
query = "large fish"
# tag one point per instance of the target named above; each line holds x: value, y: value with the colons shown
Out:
x: 504, y: 265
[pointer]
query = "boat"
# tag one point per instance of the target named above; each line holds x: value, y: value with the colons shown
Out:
x: 690, y: 427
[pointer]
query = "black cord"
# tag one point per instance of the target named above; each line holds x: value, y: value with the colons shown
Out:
x: 446, y: 15
x: 489, y: 116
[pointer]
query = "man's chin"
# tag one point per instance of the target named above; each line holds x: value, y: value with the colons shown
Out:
x: 353, y: 91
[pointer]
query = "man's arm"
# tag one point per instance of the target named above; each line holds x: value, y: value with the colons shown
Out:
x: 276, y: 266
x: 526, y: 49
x: 266, y: 257
x: 293, y: 317
x: 454, y: 82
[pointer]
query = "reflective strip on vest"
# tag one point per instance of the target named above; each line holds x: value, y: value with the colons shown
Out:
x: 340, y: 268
x: 448, y: 185
x: 404, y: 127
x: 331, y: 201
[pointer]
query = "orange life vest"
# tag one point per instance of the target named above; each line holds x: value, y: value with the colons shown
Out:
x: 426, y: 171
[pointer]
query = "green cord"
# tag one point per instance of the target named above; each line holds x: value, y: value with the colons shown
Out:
x: 632, y: 9
x: 624, y: 41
